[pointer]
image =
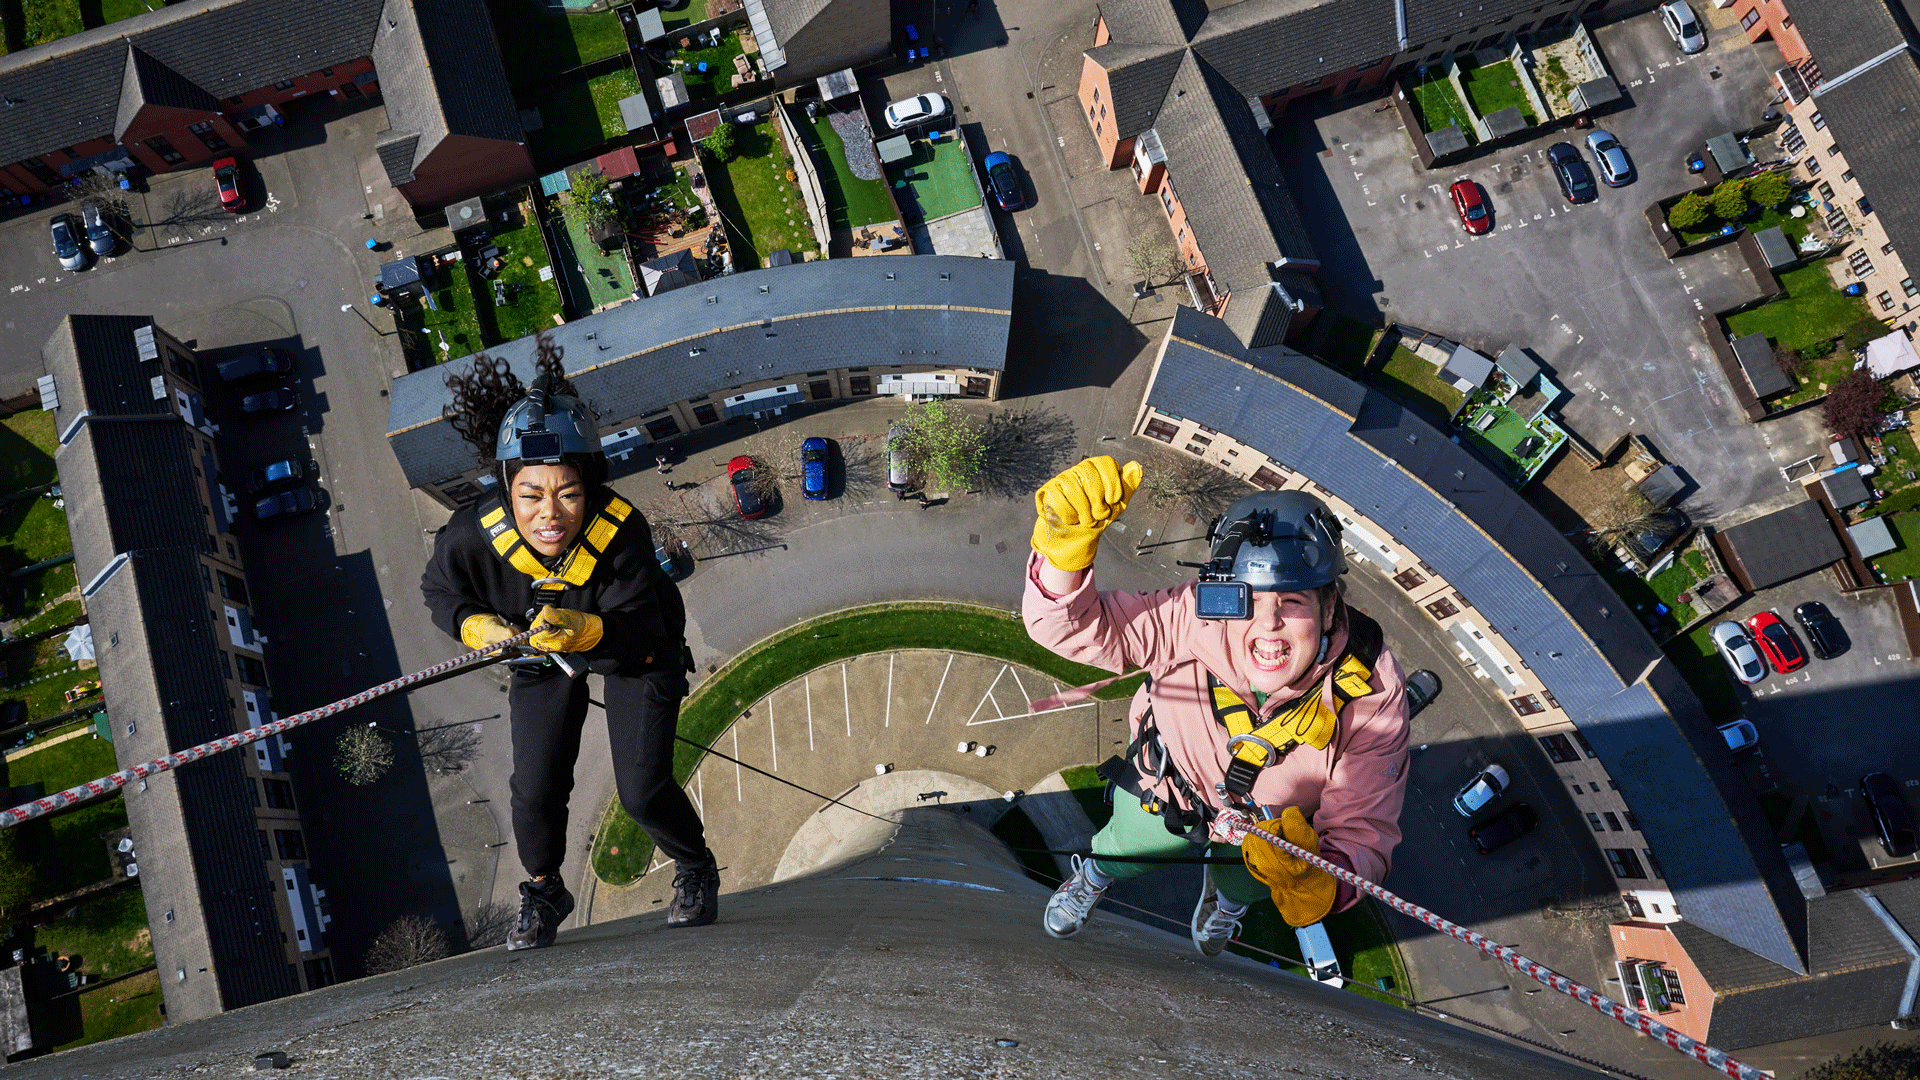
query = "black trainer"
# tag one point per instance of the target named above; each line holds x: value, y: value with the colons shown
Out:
x: 696, y: 894
x: 543, y: 906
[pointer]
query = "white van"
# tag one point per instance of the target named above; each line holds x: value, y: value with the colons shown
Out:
x: 1317, y: 950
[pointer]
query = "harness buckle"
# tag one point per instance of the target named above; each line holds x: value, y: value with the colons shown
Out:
x: 1267, y: 748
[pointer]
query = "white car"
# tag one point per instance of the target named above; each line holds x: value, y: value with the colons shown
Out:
x: 915, y: 110
x: 1616, y: 170
x: 1731, y: 639
x: 1686, y: 31
x: 1480, y: 791
x: 1740, y: 735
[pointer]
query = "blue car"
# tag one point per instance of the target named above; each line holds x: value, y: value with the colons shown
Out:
x: 1003, y: 181
x: 813, y: 468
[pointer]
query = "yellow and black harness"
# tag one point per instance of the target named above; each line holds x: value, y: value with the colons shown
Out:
x: 576, y: 567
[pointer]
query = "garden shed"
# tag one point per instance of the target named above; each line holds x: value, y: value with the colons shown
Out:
x: 1663, y: 486
x: 1846, y: 488
x: 1776, y: 248
x: 1779, y: 546
x: 1465, y: 366
x: 1756, y: 362
x: 1891, y: 355
x: 1872, y: 537
x: 1516, y: 365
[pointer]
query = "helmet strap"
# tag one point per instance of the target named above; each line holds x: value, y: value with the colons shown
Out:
x: 1326, y: 640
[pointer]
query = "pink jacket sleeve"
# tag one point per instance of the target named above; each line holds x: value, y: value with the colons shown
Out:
x: 1115, y: 631
x: 1359, y: 815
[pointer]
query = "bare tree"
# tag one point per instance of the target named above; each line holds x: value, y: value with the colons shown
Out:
x: 1624, y: 515
x: 1171, y: 480
x: 1024, y: 448
x: 185, y: 207
x: 1154, y: 257
x: 489, y: 924
x: 707, y: 521
x: 448, y: 747
x: 408, y: 940
x: 362, y: 755
x: 102, y: 187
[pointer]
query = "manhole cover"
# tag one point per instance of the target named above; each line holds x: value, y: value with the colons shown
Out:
x: 973, y: 539
x: 1000, y: 548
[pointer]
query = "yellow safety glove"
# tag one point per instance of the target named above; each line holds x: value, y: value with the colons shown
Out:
x: 1072, y: 509
x: 1304, y: 893
x: 480, y: 631
x: 568, y: 631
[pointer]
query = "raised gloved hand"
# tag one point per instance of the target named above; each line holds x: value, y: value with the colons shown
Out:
x: 1072, y: 509
x: 480, y: 631
x: 565, y: 631
x: 1304, y: 893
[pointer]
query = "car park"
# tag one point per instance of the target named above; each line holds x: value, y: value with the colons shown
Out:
x: 1891, y: 818
x: 66, y: 243
x: 280, y: 474
x: 917, y: 109
x: 226, y: 181
x: 1570, y: 169
x: 1503, y: 828
x: 100, y: 236
x: 813, y: 468
x: 1731, y: 639
x: 285, y: 505
x: 255, y: 367
x: 1776, y: 640
x: 1677, y: 16
x: 1616, y: 169
x: 1422, y: 687
x: 898, y: 478
x: 746, y: 494
x: 1003, y: 181
x: 1824, y: 632
x: 1476, y: 214
x: 1486, y: 786
x: 271, y: 400
x: 1740, y: 735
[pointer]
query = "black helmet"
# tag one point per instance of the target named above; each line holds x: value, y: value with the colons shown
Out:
x: 1276, y: 541
x: 547, y: 428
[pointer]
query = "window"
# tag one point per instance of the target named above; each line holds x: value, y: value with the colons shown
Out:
x: 279, y: 794
x: 251, y: 670
x: 1594, y: 820
x: 1461, y: 600
x: 205, y: 133
x: 1865, y: 205
x: 663, y: 428
x: 1652, y: 862
x: 1409, y: 579
x: 1613, y: 823
x: 1160, y: 429
x: 1819, y: 122
x: 1559, y: 748
x: 254, y: 789
x: 1613, y: 785
x: 1626, y: 864
x: 326, y: 71
x: 159, y: 145
x: 1746, y: 23
x: 1860, y: 263
x: 1442, y: 608
x: 1267, y: 479
x: 1813, y: 166
x: 705, y: 414
x: 1096, y: 95
x: 1886, y: 301
x: 1633, y: 906
x: 978, y: 387
x: 1196, y: 451
x: 266, y: 846
x: 1582, y: 740
x: 1907, y: 286
x: 860, y: 385
x: 1846, y: 176
x: 290, y: 843
x: 1166, y: 197
x: 232, y: 587
x: 1672, y: 979
x: 169, y: 915
x: 226, y: 664
x: 1631, y: 823
x: 1834, y: 150
x: 132, y: 726
x: 206, y: 575
x: 820, y: 389
x: 319, y: 973
x: 283, y: 84
x: 1527, y: 705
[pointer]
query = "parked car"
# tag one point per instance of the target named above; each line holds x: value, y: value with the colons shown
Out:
x: 1570, y: 169
x: 1738, y: 652
x: 255, y: 367
x: 100, y: 235
x: 1503, y: 828
x: 669, y: 557
x: 1828, y: 637
x: 66, y: 243
x: 1476, y: 214
x: 813, y: 468
x: 284, y: 473
x: 898, y: 479
x: 1657, y: 532
x: 271, y: 400
x: 1616, y: 170
x: 226, y: 181
x: 746, y: 497
x: 1740, y: 735
x: 916, y: 109
x: 1422, y: 687
x: 1489, y: 784
x: 1003, y: 181
x: 1891, y: 818
x: 286, y: 504
x: 1777, y: 641
x: 1677, y: 17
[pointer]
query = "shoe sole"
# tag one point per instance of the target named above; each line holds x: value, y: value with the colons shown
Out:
x: 1207, y: 893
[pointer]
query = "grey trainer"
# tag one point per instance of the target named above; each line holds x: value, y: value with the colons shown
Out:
x: 543, y: 906
x: 1074, y: 900
x: 1214, y: 921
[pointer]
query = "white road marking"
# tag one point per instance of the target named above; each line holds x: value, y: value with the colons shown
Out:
x: 773, y: 740
x: 888, y: 720
x: 1022, y: 686
x: 807, y: 686
x: 937, y: 689
x: 988, y: 696
x: 1023, y: 716
x: 846, y: 703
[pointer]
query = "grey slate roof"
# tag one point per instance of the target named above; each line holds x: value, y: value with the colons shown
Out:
x: 788, y: 16
x: 1137, y: 78
x: 840, y: 312
x: 1260, y: 46
x: 1533, y: 589
x: 1785, y: 544
x: 71, y: 89
x: 1846, y: 488
x: 1153, y: 22
x: 149, y: 82
x: 1875, y: 120
x: 1430, y: 20
x: 114, y: 381
x: 441, y: 75
x: 130, y: 485
x: 1514, y: 362
x: 1843, y: 34
x: 1775, y: 247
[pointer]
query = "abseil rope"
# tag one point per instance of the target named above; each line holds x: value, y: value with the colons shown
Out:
x: 93, y: 789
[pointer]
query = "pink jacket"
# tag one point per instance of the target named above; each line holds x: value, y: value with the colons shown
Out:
x: 1352, y: 791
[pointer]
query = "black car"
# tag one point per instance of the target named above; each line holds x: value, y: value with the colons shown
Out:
x: 1004, y: 182
x: 1829, y: 638
x: 668, y: 556
x: 1503, y: 828
x: 275, y: 476
x: 1422, y: 687
x: 1576, y: 180
x: 255, y: 366
x: 1890, y: 815
x: 271, y: 400
x: 285, y: 505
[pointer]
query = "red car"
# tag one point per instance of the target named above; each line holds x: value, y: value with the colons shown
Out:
x: 1476, y: 214
x: 746, y: 497
x: 226, y: 178
x: 1777, y: 641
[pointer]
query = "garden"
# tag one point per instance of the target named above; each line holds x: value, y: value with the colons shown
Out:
x: 596, y: 277
x: 442, y: 325
x: 936, y: 181
x: 1813, y: 328
x: 1902, y: 563
x: 33, y: 531
x: 1495, y: 87
x: 1520, y: 446
x: 580, y: 115
x: 1347, y: 344
x: 851, y: 201
x: 36, y: 22
x: 709, y: 72
x: 538, y: 43
x: 1674, y: 585
x: 533, y: 303
x: 1753, y: 203
x: 1415, y: 382
x: 1437, y: 106
x: 754, y: 188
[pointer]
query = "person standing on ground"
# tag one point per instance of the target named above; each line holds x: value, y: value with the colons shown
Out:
x: 1265, y: 692
x: 555, y: 549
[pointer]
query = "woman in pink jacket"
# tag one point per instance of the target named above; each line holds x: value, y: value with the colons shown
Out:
x: 1265, y: 692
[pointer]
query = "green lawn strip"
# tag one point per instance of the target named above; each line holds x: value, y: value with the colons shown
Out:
x: 1416, y: 382
x: 537, y: 43
x: 569, y: 124
x: 938, y: 178
x: 80, y: 856
x: 27, y: 443
x: 851, y: 201
x: 108, y: 933
x: 112, y: 11
x: 1361, y: 942
x: 1496, y: 87
x: 1818, y: 376
x: 1501, y: 440
x: 1668, y: 584
x: 450, y: 321
x: 1091, y: 793
x: 49, y: 20
x: 1700, y: 664
x: 1347, y: 345
x: 762, y: 211
x: 44, y: 585
x: 1697, y: 563
x: 63, y: 765
x: 784, y: 657
x: 597, y: 277
x: 534, y: 302
x: 1811, y: 313
x: 1438, y: 107
x: 1640, y: 596
x: 1902, y: 562
x: 35, y: 530
x: 718, y: 78
x: 126, y: 1007
x: 607, y: 90
x: 1794, y: 228
x: 691, y: 12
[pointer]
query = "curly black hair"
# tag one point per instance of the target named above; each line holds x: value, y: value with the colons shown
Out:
x: 484, y: 392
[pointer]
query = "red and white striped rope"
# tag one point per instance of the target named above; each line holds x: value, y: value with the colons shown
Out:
x: 93, y: 789
x: 1645, y: 1025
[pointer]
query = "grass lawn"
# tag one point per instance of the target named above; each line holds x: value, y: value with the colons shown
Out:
x: 1668, y: 584
x: 34, y: 529
x: 1697, y: 563
x: 108, y: 1012
x: 39, y: 678
x: 938, y: 180
x: 1641, y: 597
x: 1496, y: 87
x: 763, y: 212
x: 1819, y: 374
x: 108, y: 933
x: 60, y: 614
x: 27, y: 443
x: 607, y: 90
x: 49, y: 20
x: 1700, y: 664
x: 718, y: 78
x: 851, y: 201
x: 63, y: 765
x: 692, y: 12
x: 1090, y: 792
x: 535, y: 302
x: 46, y: 584
x: 1348, y: 343
x: 595, y: 277
x: 1416, y: 382
x: 1437, y: 106
x: 538, y: 43
x: 1502, y: 440
x: 114, y: 10
x: 1795, y: 228
x: 1811, y: 312
x: 82, y: 858
x: 1903, y: 562
x: 713, y: 707
x: 450, y: 321
x: 569, y: 124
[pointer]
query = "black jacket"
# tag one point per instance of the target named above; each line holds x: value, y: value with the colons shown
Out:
x: 640, y: 608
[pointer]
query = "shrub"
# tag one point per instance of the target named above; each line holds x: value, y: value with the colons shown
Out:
x: 1730, y: 200
x: 1690, y: 212
x: 1770, y: 189
x: 1789, y: 360
x: 1854, y: 405
x: 720, y: 143
x: 1863, y: 331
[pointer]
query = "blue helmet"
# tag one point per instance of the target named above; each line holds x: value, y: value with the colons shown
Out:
x: 544, y: 428
x: 1276, y: 541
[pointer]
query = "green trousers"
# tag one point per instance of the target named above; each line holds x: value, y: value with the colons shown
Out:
x: 1134, y: 831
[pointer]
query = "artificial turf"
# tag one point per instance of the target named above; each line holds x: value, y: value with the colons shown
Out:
x: 851, y: 201
x: 537, y: 43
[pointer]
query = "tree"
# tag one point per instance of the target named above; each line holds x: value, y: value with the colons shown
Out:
x: 1690, y: 212
x: 1791, y: 361
x: 362, y: 755
x: 1172, y: 480
x: 1730, y: 200
x: 1864, y: 330
x: 408, y: 940
x: 1855, y: 404
x: 943, y: 444
x: 1770, y: 189
x: 1882, y: 1061
x: 589, y: 203
x: 720, y: 144
x: 1625, y: 514
x: 1154, y: 257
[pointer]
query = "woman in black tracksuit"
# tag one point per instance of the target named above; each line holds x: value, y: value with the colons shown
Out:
x: 556, y: 549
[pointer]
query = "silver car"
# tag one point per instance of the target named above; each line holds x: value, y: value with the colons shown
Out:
x: 1615, y: 168
x: 1490, y: 784
x: 1686, y: 31
x: 1731, y: 639
x: 100, y: 237
x: 66, y: 243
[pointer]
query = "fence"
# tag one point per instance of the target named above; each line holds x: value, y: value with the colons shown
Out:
x: 807, y: 171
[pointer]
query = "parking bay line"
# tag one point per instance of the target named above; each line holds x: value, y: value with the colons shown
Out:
x: 938, y: 689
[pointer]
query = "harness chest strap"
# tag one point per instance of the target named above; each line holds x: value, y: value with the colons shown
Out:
x: 577, y: 565
x: 1309, y: 719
